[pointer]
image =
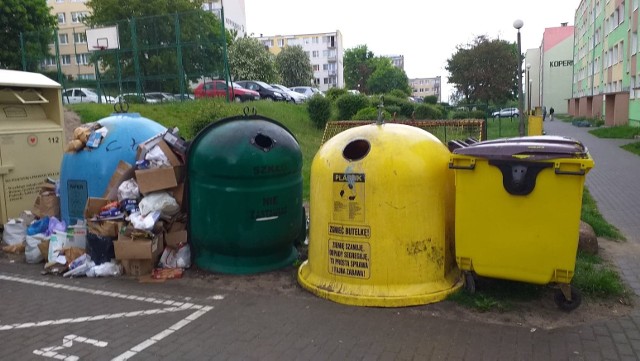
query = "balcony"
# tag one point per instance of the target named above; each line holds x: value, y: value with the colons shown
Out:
x: 332, y: 58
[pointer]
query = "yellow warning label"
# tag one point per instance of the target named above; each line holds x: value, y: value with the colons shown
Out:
x: 348, y: 197
x: 350, y: 259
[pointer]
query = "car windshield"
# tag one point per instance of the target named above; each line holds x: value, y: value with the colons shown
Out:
x: 315, y: 90
x: 264, y: 85
x: 236, y: 85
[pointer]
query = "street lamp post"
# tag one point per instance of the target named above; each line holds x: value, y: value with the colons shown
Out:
x: 528, y: 81
x: 518, y: 25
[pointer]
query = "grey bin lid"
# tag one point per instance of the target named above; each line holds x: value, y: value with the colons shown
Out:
x: 527, y: 149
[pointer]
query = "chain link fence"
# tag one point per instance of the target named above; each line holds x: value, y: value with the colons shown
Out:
x: 164, y: 53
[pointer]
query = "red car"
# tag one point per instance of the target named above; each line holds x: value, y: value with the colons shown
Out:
x: 218, y: 88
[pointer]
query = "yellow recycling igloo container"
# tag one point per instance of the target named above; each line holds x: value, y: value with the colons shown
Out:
x: 381, y: 219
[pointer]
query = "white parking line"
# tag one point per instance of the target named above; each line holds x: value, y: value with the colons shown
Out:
x: 67, y: 341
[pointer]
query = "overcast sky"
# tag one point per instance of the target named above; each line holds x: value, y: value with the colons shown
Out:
x: 426, y: 32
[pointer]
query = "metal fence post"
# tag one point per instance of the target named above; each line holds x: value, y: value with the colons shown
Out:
x: 136, y: 60
x: 179, y: 56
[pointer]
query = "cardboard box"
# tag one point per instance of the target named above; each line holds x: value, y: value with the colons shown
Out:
x: 175, y: 142
x: 174, y: 239
x: 124, y: 171
x: 104, y: 228
x: 171, y: 156
x: 93, y: 205
x: 146, y: 146
x: 138, y: 267
x: 156, y: 179
x: 178, y: 194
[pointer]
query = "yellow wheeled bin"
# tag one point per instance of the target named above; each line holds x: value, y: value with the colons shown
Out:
x: 381, y: 226
x: 518, y: 204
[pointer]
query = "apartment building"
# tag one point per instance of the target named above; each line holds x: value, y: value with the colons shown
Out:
x: 72, y: 40
x: 422, y: 87
x: 396, y: 60
x: 605, y: 69
x: 325, y: 53
x: 235, y: 18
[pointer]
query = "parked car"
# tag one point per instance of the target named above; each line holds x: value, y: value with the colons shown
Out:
x: 158, y: 97
x: 506, y: 113
x: 295, y: 96
x: 85, y: 95
x: 184, y: 96
x: 307, y: 90
x: 218, y: 88
x: 266, y: 91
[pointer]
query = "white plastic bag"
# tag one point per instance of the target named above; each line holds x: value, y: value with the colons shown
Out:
x: 56, y: 243
x: 176, y: 258
x: 159, y: 201
x: 157, y: 158
x: 144, y: 222
x: 128, y: 190
x: 32, y: 253
x: 104, y: 270
x: 15, y: 232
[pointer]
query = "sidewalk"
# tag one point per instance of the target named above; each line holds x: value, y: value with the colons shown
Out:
x: 614, y: 183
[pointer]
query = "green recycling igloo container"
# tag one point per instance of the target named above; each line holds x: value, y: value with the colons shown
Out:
x: 245, y: 196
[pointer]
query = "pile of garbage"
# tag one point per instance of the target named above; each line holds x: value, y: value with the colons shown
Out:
x: 138, y: 227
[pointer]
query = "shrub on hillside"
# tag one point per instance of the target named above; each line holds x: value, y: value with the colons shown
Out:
x: 428, y: 112
x: 349, y: 104
x: 406, y: 108
x: 370, y: 113
x: 319, y: 109
x: 335, y: 93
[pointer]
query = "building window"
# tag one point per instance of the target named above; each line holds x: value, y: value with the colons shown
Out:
x: 80, y: 38
x: 61, y: 18
x: 63, y: 39
x: 632, y: 90
x: 65, y: 59
x: 325, y: 66
x: 86, y: 76
x: 326, y: 80
x: 77, y: 16
x: 49, y: 61
x: 316, y: 67
x: 281, y: 43
x: 325, y: 53
x: 621, y: 15
x: 315, y: 53
x: 82, y: 59
x: 315, y: 40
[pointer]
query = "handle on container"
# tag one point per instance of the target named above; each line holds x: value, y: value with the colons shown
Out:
x: 472, y: 165
x: 559, y: 171
x: 5, y: 169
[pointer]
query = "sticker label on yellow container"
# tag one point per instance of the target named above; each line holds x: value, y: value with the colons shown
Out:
x: 350, y: 259
x: 348, y: 197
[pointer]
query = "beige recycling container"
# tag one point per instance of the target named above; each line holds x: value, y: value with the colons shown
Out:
x: 31, y: 138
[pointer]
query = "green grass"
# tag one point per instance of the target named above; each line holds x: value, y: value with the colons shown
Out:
x: 619, y: 132
x: 595, y: 278
x: 293, y: 117
x: 591, y: 215
x: 632, y: 147
x: 502, y: 128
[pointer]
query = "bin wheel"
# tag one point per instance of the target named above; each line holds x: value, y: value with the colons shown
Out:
x: 469, y: 283
x: 566, y: 305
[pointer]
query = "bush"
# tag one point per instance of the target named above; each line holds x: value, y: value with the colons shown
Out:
x: 460, y: 114
x: 392, y: 109
x: 398, y: 94
x: 477, y: 114
x: 370, y: 113
x: 349, y: 104
x: 430, y: 99
x: 319, y: 109
x: 428, y: 112
x: 335, y: 93
x: 406, y: 108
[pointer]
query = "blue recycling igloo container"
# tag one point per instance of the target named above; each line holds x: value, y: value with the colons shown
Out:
x: 86, y: 173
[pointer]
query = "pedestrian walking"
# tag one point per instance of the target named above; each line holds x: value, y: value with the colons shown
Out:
x: 544, y: 113
x: 551, y: 113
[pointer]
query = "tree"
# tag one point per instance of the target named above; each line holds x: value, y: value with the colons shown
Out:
x: 33, y: 20
x: 359, y: 64
x: 387, y: 77
x: 294, y: 66
x: 484, y: 71
x: 250, y: 60
x: 152, y: 52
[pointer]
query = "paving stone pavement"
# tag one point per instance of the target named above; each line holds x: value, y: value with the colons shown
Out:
x: 288, y: 323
